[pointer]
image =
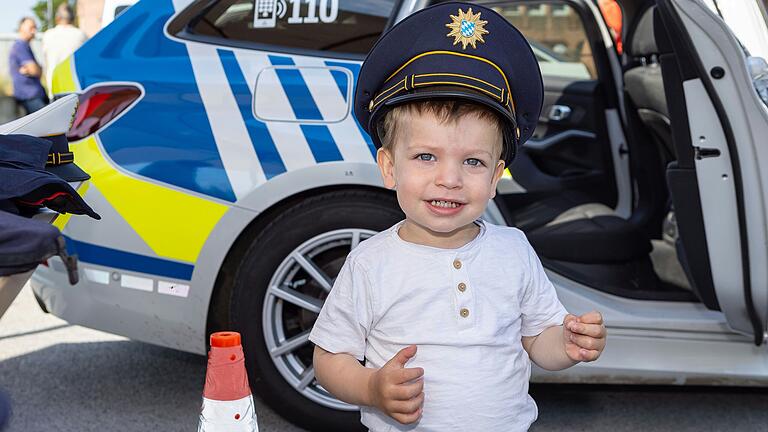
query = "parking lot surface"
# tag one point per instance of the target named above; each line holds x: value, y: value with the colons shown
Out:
x: 69, y: 378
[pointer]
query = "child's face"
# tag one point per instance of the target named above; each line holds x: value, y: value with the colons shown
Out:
x: 444, y: 172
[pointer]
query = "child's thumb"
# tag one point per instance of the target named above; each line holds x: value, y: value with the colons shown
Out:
x: 402, y: 356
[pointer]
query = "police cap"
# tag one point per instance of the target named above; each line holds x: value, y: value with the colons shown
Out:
x: 455, y: 51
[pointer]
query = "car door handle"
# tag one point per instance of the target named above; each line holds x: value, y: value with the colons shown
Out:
x: 559, y: 112
x: 703, y: 152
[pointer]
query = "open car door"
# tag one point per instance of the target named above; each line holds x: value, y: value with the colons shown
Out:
x: 718, y: 184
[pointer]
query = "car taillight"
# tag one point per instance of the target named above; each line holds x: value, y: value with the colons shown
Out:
x: 98, y: 106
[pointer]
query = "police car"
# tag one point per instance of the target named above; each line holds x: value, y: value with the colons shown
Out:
x: 232, y: 180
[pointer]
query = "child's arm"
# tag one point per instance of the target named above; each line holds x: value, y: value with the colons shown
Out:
x: 391, y: 388
x: 560, y: 347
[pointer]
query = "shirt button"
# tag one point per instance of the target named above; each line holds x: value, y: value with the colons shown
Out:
x: 462, y: 287
x: 456, y: 264
x: 464, y: 312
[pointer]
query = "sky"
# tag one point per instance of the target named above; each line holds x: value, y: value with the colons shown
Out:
x: 11, y: 12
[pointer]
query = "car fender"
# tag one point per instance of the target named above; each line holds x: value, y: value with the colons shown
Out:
x: 241, y: 215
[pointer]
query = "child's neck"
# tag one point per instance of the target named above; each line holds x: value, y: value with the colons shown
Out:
x: 412, y: 232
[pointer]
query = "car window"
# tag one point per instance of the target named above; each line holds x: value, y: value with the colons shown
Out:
x: 347, y: 26
x: 557, y: 36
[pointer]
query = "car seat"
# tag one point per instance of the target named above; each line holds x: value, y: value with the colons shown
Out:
x: 586, y: 240
x: 644, y: 85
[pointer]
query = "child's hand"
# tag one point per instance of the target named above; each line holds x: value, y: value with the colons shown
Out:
x: 392, y: 391
x: 584, y: 336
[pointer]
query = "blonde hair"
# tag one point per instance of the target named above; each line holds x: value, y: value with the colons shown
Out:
x: 446, y: 111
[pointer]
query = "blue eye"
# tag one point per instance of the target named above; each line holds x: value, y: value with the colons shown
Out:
x: 427, y: 157
x: 474, y: 162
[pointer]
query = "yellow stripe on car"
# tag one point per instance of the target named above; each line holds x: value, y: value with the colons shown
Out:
x: 63, y: 77
x: 173, y: 224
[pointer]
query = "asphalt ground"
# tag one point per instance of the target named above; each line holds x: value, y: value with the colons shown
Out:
x: 69, y: 378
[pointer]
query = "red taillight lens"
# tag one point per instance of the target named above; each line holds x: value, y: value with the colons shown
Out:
x: 98, y: 106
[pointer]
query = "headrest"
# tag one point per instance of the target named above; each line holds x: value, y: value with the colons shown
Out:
x: 643, y: 41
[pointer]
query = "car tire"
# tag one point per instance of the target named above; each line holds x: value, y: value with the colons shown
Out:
x: 257, y: 313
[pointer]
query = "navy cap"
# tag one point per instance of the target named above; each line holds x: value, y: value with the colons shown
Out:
x: 61, y: 161
x: 456, y: 51
x: 22, y: 159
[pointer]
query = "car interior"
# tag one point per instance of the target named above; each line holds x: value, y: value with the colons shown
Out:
x: 568, y: 204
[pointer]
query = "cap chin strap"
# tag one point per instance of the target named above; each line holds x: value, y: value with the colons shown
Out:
x: 55, y: 159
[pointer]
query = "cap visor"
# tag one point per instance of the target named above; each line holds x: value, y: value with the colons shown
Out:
x: 68, y: 172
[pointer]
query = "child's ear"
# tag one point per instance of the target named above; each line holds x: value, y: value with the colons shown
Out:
x: 387, y: 167
x: 497, y: 173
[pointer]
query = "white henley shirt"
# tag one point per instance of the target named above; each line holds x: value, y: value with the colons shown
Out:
x: 466, y: 309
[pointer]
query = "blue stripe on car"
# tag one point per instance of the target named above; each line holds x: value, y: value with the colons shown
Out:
x: 296, y: 89
x: 341, y: 81
x: 319, y: 138
x: 108, y: 257
x: 270, y: 159
x: 355, y: 69
x: 166, y: 136
x: 321, y: 143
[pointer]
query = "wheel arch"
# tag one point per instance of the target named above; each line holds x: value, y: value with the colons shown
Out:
x: 234, y: 234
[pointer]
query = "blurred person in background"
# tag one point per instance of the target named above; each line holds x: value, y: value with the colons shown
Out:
x: 61, y: 41
x: 25, y: 70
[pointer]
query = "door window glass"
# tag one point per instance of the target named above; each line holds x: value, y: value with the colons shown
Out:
x: 348, y: 26
x: 556, y: 34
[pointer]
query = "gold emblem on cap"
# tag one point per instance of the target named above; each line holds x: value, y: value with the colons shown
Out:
x: 467, y: 28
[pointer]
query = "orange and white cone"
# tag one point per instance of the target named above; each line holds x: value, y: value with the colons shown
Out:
x: 227, y: 401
